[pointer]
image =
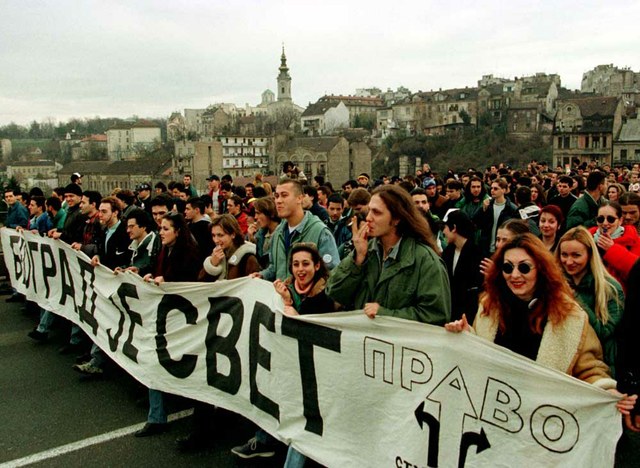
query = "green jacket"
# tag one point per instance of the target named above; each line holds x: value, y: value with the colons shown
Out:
x: 311, y: 229
x: 413, y: 286
x: 583, y: 212
x: 585, y: 294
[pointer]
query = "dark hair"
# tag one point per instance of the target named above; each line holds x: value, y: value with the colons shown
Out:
x: 180, y: 187
x: 196, y: 203
x: 462, y: 223
x: 115, y: 203
x: 59, y: 191
x: 523, y: 195
x: 311, y: 191
x: 54, y: 203
x: 319, y: 180
x: 206, y: 201
x: 565, y: 179
x: 542, y: 198
x: 310, y: 247
x: 226, y: 186
x: 259, y: 192
x: 142, y: 219
x: 185, y: 239
x: 326, y: 190
x: 93, y: 196
x: 615, y: 205
x: 411, y: 223
x: 335, y: 198
x: 39, y: 200
x: 418, y: 191
x: 516, y: 226
x: 360, y: 196
x: 229, y: 224
x: 454, y: 185
x: 36, y: 192
x: 237, y: 201
x: 594, y: 179
x: 629, y: 198
x: 161, y: 186
x: 162, y: 200
x: 267, y: 207
x: 127, y: 196
x: 350, y: 183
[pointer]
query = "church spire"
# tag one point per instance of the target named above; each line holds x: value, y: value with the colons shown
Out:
x: 283, y: 62
x: 284, y: 79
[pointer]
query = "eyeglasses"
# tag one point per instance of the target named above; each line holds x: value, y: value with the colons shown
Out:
x: 610, y: 219
x: 523, y: 268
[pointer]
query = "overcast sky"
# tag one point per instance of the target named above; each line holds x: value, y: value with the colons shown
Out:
x: 65, y: 59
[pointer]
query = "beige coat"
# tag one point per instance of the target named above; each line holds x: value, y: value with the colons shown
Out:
x: 571, y: 347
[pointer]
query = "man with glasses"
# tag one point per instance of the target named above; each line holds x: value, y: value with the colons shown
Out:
x: 583, y: 212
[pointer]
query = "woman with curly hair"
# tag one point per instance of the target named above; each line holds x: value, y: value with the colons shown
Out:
x: 528, y: 308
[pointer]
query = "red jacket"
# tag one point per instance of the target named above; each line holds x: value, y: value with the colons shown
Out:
x: 624, y: 253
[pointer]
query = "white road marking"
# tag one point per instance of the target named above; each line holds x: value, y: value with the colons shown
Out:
x: 82, y: 444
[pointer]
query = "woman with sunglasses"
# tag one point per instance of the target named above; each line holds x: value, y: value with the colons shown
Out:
x: 618, y: 245
x: 528, y: 308
x: 599, y: 294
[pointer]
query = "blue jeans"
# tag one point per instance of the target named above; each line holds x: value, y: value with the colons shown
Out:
x: 76, y: 335
x: 294, y: 459
x: 46, y: 319
x: 97, y: 356
x: 157, y: 414
x: 264, y: 437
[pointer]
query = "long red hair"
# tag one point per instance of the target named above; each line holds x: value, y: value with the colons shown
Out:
x: 554, y: 297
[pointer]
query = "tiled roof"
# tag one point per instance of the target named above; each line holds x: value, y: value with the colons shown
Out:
x: 630, y: 130
x: 140, y: 166
x: 99, y: 138
x: 602, y: 106
x: 32, y: 163
x: 312, y: 143
x: 354, y: 100
x: 319, y: 108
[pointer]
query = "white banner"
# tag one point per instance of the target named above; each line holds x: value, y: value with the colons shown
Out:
x: 344, y: 389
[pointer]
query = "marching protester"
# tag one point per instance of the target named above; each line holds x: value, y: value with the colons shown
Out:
x: 176, y: 262
x: 296, y: 226
x: 495, y: 211
x: 393, y: 252
x: 551, y: 220
x: 528, y: 308
x: 597, y: 292
x: 261, y: 230
x: 462, y: 258
x: 619, y: 245
x: 304, y: 293
x: 231, y: 258
x: 145, y: 243
x: 583, y: 211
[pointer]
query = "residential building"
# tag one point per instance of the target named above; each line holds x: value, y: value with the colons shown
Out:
x: 445, y: 110
x: 585, y: 128
x: 5, y: 149
x: 106, y: 176
x: 27, y: 171
x: 126, y: 141
x: 334, y: 157
x: 360, y: 108
x: 608, y: 80
x: 324, y: 118
x: 626, y: 148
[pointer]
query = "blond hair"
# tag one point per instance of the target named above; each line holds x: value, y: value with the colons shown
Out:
x: 604, y: 288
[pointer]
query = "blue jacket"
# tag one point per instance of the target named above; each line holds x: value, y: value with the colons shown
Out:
x: 17, y: 215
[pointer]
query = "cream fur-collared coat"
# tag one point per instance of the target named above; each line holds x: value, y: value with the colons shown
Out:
x: 571, y: 347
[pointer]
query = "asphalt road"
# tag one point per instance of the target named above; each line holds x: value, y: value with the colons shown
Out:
x: 45, y: 406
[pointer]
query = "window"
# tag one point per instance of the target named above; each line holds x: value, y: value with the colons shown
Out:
x: 623, y: 154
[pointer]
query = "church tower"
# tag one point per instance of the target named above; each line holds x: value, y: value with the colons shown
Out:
x: 284, y: 80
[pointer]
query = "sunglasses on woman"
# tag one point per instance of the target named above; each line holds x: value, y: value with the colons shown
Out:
x: 523, y: 268
x: 610, y: 219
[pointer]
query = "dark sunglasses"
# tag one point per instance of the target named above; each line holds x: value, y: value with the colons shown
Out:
x: 524, y: 268
x: 610, y: 219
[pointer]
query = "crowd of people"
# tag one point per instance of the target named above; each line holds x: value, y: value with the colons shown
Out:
x: 541, y: 261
